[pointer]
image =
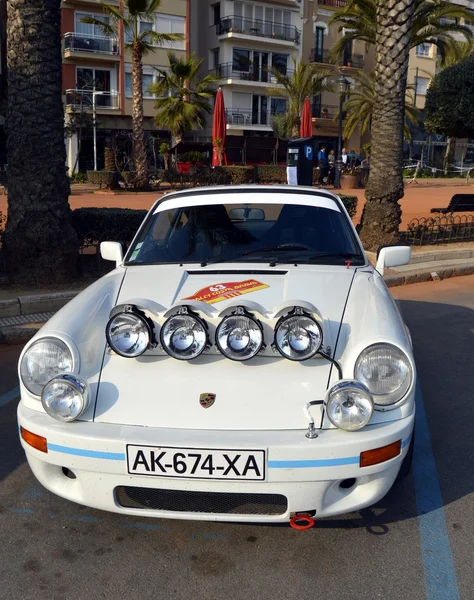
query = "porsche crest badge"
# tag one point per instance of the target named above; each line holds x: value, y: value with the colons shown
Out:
x: 207, y: 400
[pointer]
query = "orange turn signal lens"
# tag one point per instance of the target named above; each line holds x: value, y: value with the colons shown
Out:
x: 379, y: 455
x: 36, y: 441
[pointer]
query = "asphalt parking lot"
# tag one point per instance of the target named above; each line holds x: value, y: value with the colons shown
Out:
x: 416, y: 543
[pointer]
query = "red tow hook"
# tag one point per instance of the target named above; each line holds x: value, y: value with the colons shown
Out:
x: 301, y: 522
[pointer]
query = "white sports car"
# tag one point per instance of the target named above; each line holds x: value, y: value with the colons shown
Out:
x: 242, y: 362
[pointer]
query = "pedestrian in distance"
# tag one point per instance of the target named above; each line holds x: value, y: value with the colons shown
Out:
x: 332, y: 167
x: 323, y: 164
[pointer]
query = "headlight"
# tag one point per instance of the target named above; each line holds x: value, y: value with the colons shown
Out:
x: 298, y: 336
x: 128, y: 334
x: 239, y: 336
x: 349, y: 405
x: 386, y: 371
x: 65, y: 397
x: 42, y: 361
x: 184, y: 336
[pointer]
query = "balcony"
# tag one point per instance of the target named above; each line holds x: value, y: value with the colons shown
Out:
x: 252, y: 74
x: 332, y: 3
x: 90, y: 46
x: 243, y: 118
x: 277, y: 32
x: 354, y: 61
x: 83, y: 100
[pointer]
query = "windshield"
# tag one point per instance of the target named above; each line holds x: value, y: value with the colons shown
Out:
x: 254, y: 233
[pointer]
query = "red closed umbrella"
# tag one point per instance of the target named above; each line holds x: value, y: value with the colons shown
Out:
x: 306, y: 127
x: 218, y: 128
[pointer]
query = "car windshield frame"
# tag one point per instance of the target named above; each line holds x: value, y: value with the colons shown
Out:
x: 249, y: 197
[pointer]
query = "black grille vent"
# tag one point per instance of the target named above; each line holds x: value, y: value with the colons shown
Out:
x: 201, y: 502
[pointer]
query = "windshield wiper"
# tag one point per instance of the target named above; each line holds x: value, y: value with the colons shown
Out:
x: 346, y: 256
x: 264, y: 250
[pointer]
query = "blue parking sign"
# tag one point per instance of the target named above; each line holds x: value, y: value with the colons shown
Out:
x: 308, y: 152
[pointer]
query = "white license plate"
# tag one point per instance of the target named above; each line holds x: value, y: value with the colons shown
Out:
x: 199, y: 463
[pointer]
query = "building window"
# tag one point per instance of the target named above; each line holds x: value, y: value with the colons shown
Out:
x: 422, y: 84
x: 216, y: 14
x: 278, y: 106
x: 215, y: 58
x: 423, y: 50
x: 241, y: 60
x: 280, y: 62
x: 170, y: 24
x: 88, y: 28
x: 149, y: 76
x: 319, y: 44
x: 161, y: 24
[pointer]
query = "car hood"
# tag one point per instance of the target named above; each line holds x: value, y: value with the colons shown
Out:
x: 266, y: 392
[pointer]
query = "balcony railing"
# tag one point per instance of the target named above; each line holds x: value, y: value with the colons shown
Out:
x: 259, y: 28
x: 244, y: 117
x: 325, y: 111
x: 84, y: 99
x: 97, y: 44
x: 333, y: 3
x: 252, y: 72
x: 322, y: 56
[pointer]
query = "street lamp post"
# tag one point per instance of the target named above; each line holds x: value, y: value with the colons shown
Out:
x: 94, y: 126
x: 343, y: 85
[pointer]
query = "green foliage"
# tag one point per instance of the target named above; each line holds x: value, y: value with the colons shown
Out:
x: 307, y: 80
x: 434, y: 21
x: 360, y: 106
x: 129, y: 178
x: 271, y: 174
x: 350, y: 202
x: 191, y: 157
x: 281, y: 126
x: 94, y: 225
x: 449, y: 101
x: 79, y: 177
x: 101, y: 178
x: 165, y: 149
x: 183, y: 95
x: 240, y: 175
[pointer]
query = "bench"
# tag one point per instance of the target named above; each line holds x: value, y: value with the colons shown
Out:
x: 458, y: 203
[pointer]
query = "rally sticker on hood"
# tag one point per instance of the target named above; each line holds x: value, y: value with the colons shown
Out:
x: 224, y: 291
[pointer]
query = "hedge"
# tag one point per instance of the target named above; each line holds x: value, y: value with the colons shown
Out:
x: 101, y: 178
x: 240, y: 175
x: 271, y: 174
x: 95, y: 225
x: 350, y: 202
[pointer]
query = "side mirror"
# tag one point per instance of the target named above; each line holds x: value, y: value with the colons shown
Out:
x: 112, y: 251
x: 392, y: 256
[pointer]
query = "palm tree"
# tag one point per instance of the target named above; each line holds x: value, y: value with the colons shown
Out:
x: 307, y: 80
x: 141, y: 42
x: 434, y: 22
x: 183, y: 98
x: 382, y: 214
x: 359, y: 107
x: 40, y: 243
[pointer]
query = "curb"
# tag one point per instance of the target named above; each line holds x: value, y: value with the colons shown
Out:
x: 41, y: 303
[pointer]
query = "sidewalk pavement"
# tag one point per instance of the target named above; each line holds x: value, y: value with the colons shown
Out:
x: 22, y: 317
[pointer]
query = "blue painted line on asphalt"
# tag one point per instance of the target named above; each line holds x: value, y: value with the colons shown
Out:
x: 86, y: 453
x: 32, y: 494
x: 144, y: 526
x: 438, y: 563
x: 23, y: 511
x: 9, y: 396
x: 84, y: 519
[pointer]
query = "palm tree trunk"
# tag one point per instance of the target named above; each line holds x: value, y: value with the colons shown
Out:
x: 382, y: 214
x: 40, y: 243
x: 138, y: 133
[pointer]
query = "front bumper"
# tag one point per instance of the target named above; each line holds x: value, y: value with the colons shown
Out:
x: 307, y: 472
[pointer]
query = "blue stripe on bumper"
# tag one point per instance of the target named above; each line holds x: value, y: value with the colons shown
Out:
x: 86, y: 453
x: 272, y: 464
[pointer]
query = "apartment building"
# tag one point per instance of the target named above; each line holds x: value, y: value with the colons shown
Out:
x: 239, y: 41
x: 97, y: 73
x: 318, y: 39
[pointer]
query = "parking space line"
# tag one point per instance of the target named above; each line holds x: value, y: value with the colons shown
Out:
x: 9, y: 396
x: 438, y: 563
